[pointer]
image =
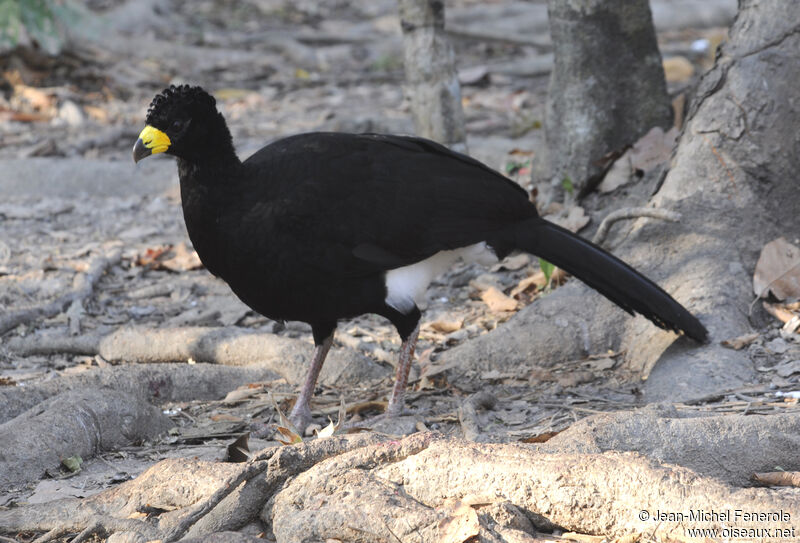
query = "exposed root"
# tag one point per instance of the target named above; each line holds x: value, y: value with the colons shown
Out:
x: 632, y: 213
x: 84, y: 287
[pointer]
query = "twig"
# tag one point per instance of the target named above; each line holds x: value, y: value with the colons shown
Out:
x: 632, y: 213
x: 84, y: 286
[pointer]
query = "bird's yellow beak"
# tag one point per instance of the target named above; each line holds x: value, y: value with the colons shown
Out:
x: 151, y: 141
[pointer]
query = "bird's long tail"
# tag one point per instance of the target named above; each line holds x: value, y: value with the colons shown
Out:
x: 607, y: 274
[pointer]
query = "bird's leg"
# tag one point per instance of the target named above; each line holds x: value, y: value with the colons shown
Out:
x: 397, y: 399
x: 301, y: 412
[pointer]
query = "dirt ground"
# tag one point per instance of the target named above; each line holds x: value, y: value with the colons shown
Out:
x: 72, y: 198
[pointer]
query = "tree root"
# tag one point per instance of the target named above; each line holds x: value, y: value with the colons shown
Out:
x: 84, y: 286
x: 632, y: 213
x: 226, y: 346
x: 368, y: 487
x: 407, y: 497
x: 157, y: 382
x: 74, y: 423
x: 193, y: 496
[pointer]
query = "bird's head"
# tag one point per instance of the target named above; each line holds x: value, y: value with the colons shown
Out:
x: 183, y: 121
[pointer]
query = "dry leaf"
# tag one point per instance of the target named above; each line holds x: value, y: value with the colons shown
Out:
x: 778, y: 270
x: 537, y: 280
x: 288, y: 430
x: 778, y: 478
x: 225, y: 417
x: 678, y: 69
x: 653, y: 148
x: 497, y: 301
x: 446, y: 325
x: 779, y: 312
x: 574, y: 221
x: 332, y: 428
x: 740, y: 342
x: 239, y: 450
x: 618, y: 174
x: 540, y: 438
x: 241, y: 393
x: 151, y: 255
x: 185, y: 259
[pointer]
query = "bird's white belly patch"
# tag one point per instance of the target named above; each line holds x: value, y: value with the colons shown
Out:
x: 405, y: 286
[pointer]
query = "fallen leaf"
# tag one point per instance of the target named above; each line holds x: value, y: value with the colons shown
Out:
x: 619, y: 174
x: 677, y: 69
x: 497, y: 301
x: 537, y: 281
x: 184, y: 259
x: 151, y: 255
x: 225, y: 417
x: 779, y: 312
x: 239, y: 450
x: 72, y: 463
x: 288, y: 430
x: 540, y: 438
x: 778, y: 270
x: 241, y: 393
x: 653, y: 148
x: 446, y: 324
x: 574, y: 221
x: 739, y: 343
x: 332, y: 428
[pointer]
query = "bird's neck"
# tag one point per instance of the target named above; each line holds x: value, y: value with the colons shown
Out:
x: 211, y: 155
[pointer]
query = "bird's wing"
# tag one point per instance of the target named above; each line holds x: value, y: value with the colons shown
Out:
x: 360, y: 204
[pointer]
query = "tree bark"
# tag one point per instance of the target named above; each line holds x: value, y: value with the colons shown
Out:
x: 431, y: 76
x: 607, y: 87
x: 733, y: 180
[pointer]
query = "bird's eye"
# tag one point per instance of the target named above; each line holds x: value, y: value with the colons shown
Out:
x: 177, y: 126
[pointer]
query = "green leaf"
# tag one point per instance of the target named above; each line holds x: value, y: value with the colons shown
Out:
x: 547, y: 269
x: 72, y: 463
x: 567, y: 184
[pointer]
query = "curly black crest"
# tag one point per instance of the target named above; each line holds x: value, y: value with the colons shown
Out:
x: 184, y: 94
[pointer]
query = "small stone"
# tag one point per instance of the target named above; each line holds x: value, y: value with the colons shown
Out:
x: 777, y: 346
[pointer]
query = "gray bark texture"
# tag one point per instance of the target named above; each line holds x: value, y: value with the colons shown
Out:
x: 733, y: 180
x: 431, y: 77
x: 607, y: 87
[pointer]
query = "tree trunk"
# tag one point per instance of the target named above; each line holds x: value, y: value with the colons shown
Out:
x: 733, y: 179
x: 431, y: 75
x: 607, y: 87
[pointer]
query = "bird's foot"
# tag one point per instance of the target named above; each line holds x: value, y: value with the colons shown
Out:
x: 300, y: 419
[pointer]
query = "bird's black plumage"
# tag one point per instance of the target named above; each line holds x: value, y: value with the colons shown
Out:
x: 308, y: 227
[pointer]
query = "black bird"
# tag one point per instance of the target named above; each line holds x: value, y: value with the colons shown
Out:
x: 322, y: 226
